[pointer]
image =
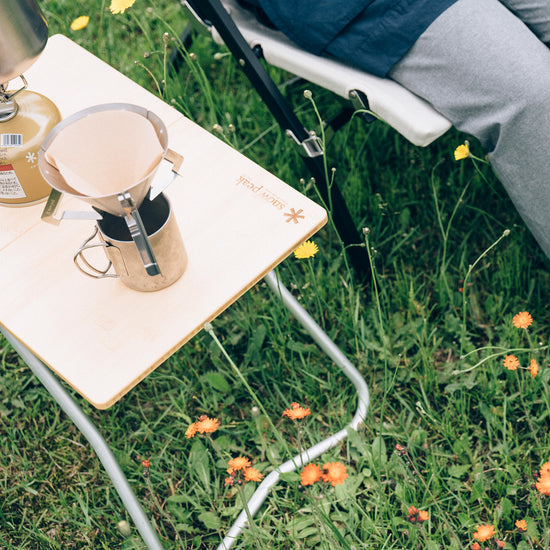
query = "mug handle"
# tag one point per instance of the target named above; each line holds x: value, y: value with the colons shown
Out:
x: 84, y: 265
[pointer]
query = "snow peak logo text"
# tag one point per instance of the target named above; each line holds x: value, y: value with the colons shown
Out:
x: 262, y: 192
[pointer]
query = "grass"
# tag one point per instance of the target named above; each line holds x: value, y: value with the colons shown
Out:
x: 429, y: 334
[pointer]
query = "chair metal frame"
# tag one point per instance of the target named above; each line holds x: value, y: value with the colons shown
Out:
x: 249, y: 42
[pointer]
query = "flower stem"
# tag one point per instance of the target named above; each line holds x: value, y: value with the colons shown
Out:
x: 250, y: 519
x: 471, y: 267
x: 208, y: 328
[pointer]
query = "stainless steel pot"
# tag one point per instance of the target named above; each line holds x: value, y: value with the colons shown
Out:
x: 23, y: 36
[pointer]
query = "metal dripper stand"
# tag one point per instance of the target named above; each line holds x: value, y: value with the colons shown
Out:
x: 113, y: 174
x: 139, y: 235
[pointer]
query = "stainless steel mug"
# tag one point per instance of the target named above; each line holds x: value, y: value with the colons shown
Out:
x: 123, y: 256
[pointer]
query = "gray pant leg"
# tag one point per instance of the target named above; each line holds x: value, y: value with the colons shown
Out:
x: 486, y: 71
x: 534, y: 13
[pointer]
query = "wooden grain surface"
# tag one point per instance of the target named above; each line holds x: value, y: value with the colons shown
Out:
x: 237, y: 222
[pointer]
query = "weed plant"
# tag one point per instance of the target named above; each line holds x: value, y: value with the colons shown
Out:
x: 453, y: 439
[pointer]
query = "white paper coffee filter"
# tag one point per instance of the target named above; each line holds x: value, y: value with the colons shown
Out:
x: 106, y: 152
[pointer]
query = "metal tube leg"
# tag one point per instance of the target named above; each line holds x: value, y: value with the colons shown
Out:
x: 330, y: 348
x: 90, y: 432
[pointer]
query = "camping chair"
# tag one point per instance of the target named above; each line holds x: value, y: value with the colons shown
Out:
x: 249, y: 40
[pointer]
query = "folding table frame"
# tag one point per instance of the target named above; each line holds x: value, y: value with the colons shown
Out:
x: 73, y: 410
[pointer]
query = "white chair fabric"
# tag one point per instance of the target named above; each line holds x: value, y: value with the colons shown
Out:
x: 408, y: 114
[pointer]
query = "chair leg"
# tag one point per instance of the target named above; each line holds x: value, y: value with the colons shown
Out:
x: 335, y: 202
x: 213, y: 13
x: 96, y: 440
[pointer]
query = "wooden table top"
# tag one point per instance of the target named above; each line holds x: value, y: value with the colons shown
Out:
x: 237, y: 222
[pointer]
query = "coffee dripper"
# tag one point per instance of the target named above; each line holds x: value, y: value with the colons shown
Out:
x: 107, y: 156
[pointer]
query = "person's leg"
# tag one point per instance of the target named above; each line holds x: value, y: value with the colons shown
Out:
x: 534, y: 13
x: 481, y: 67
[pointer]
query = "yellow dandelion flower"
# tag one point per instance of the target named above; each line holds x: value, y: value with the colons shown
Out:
x: 296, y: 412
x: 191, y: 431
x: 306, y: 250
x: 334, y: 473
x: 79, y: 23
x: 120, y: 6
x: 462, y: 152
x: 484, y: 532
x: 236, y: 464
x: 521, y: 524
x: 310, y: 474
x: 251, y: 474
x: 533, y: 368
x: 511, y: 362
x: 522, y: 320
x: 207, y: 425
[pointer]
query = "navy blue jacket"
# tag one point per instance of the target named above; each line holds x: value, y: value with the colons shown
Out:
x: 372, y: 34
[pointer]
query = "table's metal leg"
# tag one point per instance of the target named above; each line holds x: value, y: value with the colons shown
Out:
x: 118, y: 478
x: 328, y: 346
x: 90, y: 432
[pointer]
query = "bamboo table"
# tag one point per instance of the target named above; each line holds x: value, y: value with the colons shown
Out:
x: 237, y: 222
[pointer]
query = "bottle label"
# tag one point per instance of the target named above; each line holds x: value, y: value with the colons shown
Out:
x: 10, y: 188
x: 11, y: 140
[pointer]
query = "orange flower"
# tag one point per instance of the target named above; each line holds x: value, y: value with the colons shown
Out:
x: 543, y: 484
x: 207, y: 425
x: 296, y: 412
x: 191, y: 431
x: 334, y: 473
x: 236, y: 464
x: 511, y: 362
x: 521, y: 524
x: 545, y: 469
x: 484, y: 532
x: 146, y: 463
x: 533, y: 368
x: 475, y: 546
x: 416, y: 515
x: 310, y: 474
x: 423, y: 515
x: 251, y: 474
x: 522, y: 320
